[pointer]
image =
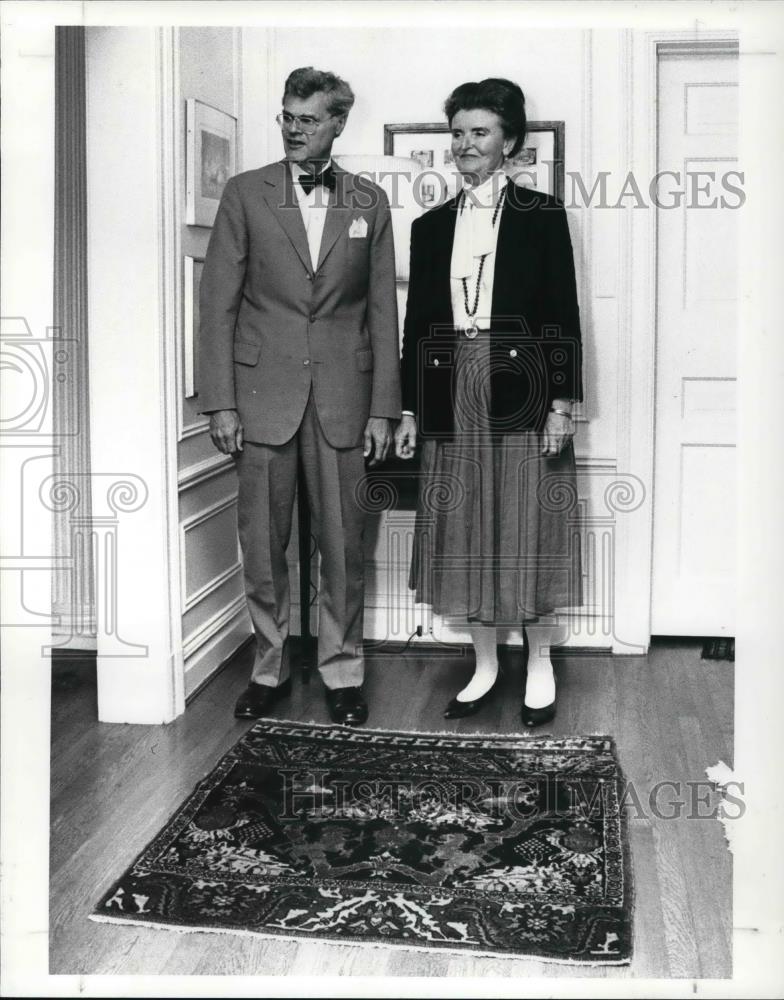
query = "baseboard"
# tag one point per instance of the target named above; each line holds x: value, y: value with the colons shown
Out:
x: 67, y: 656
x: 430, y: 647
x: 217, y: 651
x: 221, y: 666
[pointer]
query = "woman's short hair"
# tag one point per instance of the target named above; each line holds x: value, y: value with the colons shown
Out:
x: 306, y: 81
x: 501, y: 96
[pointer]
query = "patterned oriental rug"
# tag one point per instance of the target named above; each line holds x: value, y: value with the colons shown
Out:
x: 498, y: 845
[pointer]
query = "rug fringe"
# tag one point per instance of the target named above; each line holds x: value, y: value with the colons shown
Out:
x: 101, y: 918
x: 522, y: 737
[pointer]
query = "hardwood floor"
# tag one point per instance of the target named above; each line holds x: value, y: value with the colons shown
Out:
x: 113, y: 787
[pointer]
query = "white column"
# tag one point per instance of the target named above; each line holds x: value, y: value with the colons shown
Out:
x: 132, y: 267
x: 73, y: 585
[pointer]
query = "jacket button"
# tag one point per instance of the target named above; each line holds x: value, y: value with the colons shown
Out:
x: 306, y: 362
x: 513, y: 353
x: 312, y: 317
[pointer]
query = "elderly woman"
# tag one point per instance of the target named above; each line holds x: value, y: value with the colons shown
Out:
x: 491, y: 367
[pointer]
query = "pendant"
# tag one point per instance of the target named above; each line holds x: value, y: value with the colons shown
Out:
x: 472, y: 331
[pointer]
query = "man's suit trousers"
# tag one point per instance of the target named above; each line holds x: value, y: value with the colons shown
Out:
x: 267, y: 483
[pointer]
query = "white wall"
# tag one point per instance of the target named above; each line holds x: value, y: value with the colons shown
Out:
x: 27, y: 448
x: 402, y: 75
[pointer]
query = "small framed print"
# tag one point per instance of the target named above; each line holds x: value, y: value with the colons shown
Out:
x: 192, y: 268
x: 211, y: 159
x: 428, y: 194
x: 424, y: 157
x: 539, y: 164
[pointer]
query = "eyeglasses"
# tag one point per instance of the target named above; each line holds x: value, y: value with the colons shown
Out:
x: 303, y: 123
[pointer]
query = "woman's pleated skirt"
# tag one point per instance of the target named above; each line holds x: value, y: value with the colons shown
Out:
x: 497, y: 535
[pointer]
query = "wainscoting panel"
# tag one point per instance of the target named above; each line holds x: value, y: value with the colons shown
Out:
x: 215, y: 620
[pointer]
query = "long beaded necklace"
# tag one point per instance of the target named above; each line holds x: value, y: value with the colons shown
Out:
x: 473, y: 329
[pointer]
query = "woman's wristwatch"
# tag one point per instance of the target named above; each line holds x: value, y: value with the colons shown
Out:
x: 564, y: 413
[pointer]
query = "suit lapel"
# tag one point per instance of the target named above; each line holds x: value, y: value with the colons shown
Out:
x: 339, y: 212
x: 282, y: 200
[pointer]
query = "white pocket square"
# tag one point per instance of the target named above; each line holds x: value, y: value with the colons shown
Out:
x: 358, y: 230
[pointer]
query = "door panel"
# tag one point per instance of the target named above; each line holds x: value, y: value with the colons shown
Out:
x: 694, y: 482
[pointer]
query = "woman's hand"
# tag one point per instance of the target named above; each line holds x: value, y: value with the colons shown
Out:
x: 405, y: 437
x: 558, y: 432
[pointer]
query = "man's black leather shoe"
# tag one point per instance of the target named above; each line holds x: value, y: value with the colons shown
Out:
x: 347, y: 706
x: 257, y: 699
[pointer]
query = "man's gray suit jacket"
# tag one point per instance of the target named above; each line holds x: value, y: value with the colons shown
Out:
x: 271, y: 327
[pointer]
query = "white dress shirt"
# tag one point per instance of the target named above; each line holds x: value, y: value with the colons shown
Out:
x: 313, y: 207
x: 475, y: 237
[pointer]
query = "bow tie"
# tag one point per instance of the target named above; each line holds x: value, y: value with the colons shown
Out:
x: 326, y: 178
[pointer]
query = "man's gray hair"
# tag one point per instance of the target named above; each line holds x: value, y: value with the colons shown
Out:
x: 306, y: 81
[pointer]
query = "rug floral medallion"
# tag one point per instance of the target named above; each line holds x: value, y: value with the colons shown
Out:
x: 508, y: 845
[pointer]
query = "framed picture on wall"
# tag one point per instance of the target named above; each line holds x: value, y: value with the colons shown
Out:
x: 210, y: 159
x: 192, y: 268
x: 539, y: 164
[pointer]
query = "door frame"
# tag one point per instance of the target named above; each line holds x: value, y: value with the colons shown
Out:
x: 140, y: 665
x: 636, y: 414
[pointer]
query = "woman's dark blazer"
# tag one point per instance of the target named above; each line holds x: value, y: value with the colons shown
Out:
x: 535, y: 342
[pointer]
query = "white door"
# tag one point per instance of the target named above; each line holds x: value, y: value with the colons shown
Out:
x: 694, y: 480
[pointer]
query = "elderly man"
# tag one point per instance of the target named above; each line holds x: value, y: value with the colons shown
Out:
x: 299, y: 350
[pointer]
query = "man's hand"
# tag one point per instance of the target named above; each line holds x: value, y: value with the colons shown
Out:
x: 405, y: 437
x: 226, y: 431
x: 558, y: 432
x: 378, y: 438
